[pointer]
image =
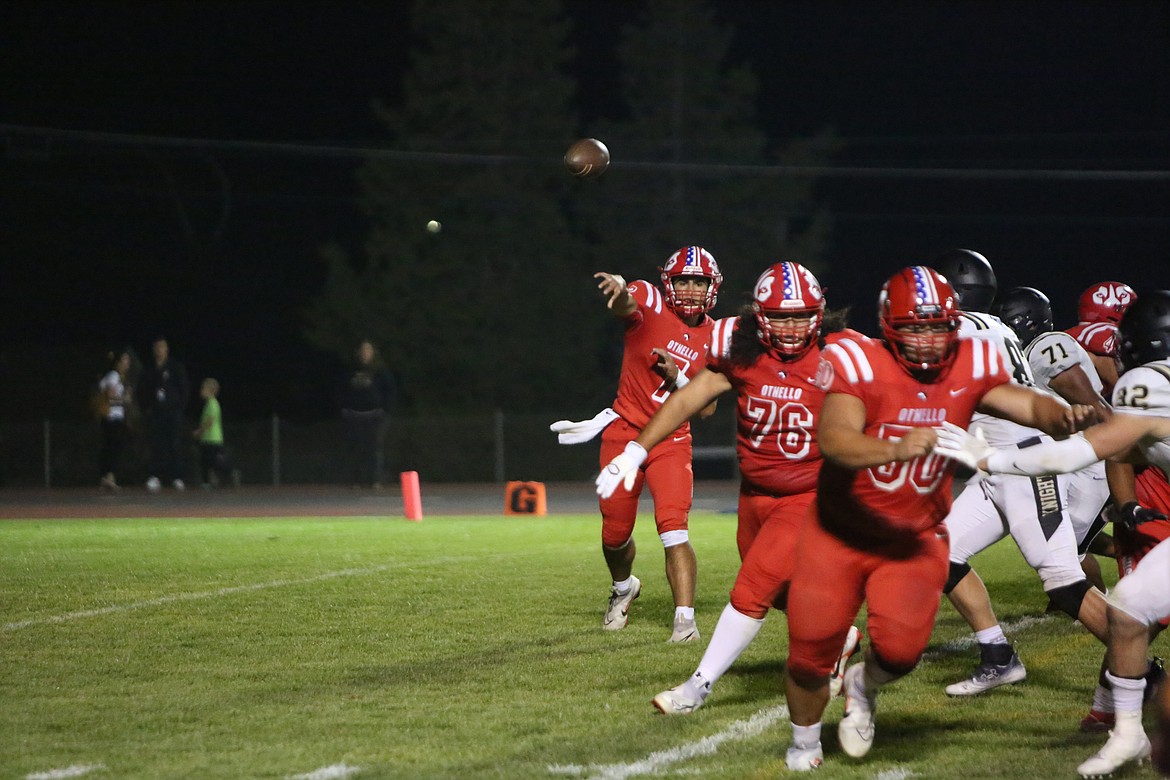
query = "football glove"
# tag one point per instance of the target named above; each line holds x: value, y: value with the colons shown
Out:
x: 623, y: 469
x: 961, y: 446
x: 1133, y: 514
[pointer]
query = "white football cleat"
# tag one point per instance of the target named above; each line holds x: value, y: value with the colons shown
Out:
x: 153, y: 485
x: 855, y: 731
x: 1117, y: 752
x: 988, y: 676
x: 618, y: 610
x: 683, y: 699
x: 804, y: 759
x: 684, y: 630
x: 848, y: 650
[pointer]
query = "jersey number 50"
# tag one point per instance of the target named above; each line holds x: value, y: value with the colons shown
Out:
x: 923, y: 473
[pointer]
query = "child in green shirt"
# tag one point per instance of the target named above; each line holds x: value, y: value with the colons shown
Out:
x: 212, y: 456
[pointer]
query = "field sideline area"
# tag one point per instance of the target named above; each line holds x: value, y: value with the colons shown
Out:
x: 214, y: 641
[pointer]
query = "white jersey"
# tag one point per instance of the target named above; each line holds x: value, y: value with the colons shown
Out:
x: 1145, y: 390
x: 1051, y: 354
x: 978, y: 325
x: 113, y: 382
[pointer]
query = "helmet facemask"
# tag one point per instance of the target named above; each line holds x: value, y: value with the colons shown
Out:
x: 691, y: 261
x: 920, y: 320
x: 789, y: 306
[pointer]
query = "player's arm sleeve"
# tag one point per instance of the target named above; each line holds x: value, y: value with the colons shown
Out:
x: 1056, y: 457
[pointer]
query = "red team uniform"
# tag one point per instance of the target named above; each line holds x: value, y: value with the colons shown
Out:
x: 776, y: 416
x: 878, y: 535
x: 640, y: 392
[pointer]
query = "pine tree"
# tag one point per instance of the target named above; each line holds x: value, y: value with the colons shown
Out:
x: 485, y: 312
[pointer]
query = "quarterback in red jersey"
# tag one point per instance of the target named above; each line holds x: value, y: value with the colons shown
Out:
x: 667, y: 333
x: 768, y: 355
x: 876, y: 535
x: 1099, y: 309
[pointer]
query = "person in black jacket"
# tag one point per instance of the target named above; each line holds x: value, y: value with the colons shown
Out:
x: 162, y: 394
x: 367, y: 394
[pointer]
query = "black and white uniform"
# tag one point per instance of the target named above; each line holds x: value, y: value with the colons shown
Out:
x: 1050, y: 355
x: 1144, y: 594
x: 1032, y: 510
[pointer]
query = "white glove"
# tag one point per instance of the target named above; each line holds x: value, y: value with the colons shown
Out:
x: 961, y: 446
x: 570, y: 432
x: 622, y: 469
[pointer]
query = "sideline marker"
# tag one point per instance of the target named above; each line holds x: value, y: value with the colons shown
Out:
x: 411, y: 496
x: 525, y: 498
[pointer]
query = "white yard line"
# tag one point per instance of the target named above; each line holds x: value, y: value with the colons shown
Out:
x: 895, y: 774
x: 658, y: 761
x: 210, y: 594
x: 178, y: 597
x: 335, y: 772
x: 967, y: 642
x: 77, y: 770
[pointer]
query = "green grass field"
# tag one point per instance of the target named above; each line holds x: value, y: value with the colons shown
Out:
x: 456, y: 647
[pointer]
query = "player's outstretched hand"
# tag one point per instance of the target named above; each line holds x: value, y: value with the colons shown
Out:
x: 621, y: 470
x: 961, y: 446
x: 612, y: 286
x: 1134, y: 514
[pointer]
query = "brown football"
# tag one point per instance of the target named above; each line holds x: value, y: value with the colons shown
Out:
x: 587, y: 158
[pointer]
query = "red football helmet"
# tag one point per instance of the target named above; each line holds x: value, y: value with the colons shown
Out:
x: 691, y: 261
x: 1105, y: 302
x: 919, y: 296
x: 791, y: 294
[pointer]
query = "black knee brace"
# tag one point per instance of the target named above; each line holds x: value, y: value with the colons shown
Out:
x: 958, y: 572
x: 1069, y: 597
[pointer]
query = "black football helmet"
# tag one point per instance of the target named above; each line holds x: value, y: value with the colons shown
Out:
x: 1143, y: 335
x: 970, y: 276
x: 1025, y: 310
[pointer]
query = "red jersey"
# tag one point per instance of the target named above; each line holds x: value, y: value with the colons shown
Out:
x: 640, y: 389
x: 778, y: 407
x: 1098, y: 338
x: 899, y: 499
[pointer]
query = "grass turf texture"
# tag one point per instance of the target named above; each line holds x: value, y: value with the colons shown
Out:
x: 456, y: 647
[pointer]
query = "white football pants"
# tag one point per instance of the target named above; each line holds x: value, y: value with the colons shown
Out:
x: 1144, y: 594
x: 1046, y: 517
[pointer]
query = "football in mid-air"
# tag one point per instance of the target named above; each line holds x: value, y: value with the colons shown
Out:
x: 587, y: 158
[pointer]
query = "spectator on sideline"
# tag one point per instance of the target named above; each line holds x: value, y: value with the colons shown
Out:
x: 162, y: 394
x: 366, y: 396
x: 114, y: 390
x: 214, y: 465
x: 665, y: 344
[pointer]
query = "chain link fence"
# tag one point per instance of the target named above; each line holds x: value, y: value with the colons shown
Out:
x: 492, y: 446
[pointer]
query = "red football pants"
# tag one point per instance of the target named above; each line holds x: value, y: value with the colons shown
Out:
x: 900, y: 582
x: 768, y: 529
x: 666, y: 472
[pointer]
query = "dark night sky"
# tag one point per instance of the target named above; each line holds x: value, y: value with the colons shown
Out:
x: 1075, y: 86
